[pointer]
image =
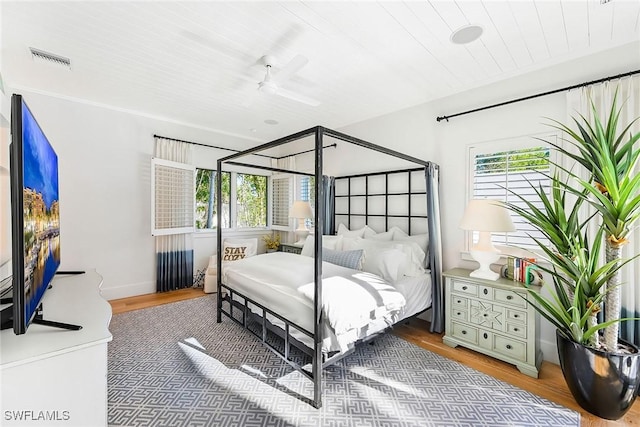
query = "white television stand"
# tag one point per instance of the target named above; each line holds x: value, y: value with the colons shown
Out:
x: 57, y: 373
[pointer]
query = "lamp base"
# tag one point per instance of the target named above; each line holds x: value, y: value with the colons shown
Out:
x: 301, y: 234
x: 485, y: 259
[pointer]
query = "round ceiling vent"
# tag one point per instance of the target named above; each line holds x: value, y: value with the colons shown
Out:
x: 466, y: 34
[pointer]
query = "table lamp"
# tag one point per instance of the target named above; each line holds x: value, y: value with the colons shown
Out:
x: 301, y: 211
x: 486, y: 216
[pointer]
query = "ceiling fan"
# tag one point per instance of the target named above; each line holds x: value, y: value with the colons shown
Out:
x: 271, y: 84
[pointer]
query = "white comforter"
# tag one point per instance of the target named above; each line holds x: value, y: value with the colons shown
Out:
x: 351, y: 299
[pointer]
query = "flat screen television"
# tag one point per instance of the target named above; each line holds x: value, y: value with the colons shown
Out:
x: 35, y: 217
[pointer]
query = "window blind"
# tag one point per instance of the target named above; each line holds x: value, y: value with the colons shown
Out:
x: 507, y: 176
x: 173, y: 197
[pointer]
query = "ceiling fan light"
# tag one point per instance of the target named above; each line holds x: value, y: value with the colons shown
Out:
x: 267, y: 87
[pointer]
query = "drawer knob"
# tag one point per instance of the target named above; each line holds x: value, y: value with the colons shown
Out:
x: 485, y: 335
x: 464, y: 288
x: 464, y: 332
x: 459, y: 302
x: 485, y: 315
x: 459, y: 313
x: 516, y: 329
x: 516, y: 315
x: 509, y: 296
x: 508, y: 346
x: 486, y: 291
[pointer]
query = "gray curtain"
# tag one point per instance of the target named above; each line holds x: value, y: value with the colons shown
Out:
x: 329, y: 183
x: 432, y: 174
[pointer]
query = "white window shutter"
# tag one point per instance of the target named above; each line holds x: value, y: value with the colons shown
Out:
x: 282, y: 189
x: 172, y: 197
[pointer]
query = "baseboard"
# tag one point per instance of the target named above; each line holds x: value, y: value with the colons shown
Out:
x: 549, y: 351
x: 126, y: 291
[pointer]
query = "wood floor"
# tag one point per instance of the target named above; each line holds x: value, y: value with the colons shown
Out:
x: 550, y: 384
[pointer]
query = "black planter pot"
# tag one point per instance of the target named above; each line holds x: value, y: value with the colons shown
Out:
x: 605, y: 384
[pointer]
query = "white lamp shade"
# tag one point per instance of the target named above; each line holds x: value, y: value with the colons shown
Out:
x: 301, y: 210
x: 486, y: 215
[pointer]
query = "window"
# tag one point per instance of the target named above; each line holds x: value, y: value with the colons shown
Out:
x: 307, y: 194
x: 251, y: 200
x: 249, y: 195
x: 205, y: 198
x: 506, y: 176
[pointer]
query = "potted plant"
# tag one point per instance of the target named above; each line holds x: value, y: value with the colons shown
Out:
x: 271, y: 241
x: 602, y: 374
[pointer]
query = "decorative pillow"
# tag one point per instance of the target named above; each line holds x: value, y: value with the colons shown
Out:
x: 330, y: 242
x: 397, y: 232
x: 235, y: 249
x: 349, y: 259
x: 365, y: 231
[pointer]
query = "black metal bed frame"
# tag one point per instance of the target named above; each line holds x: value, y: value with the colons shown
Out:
x: 319, y: 360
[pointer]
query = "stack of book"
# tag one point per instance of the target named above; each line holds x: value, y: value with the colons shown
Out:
x: 522, y: 270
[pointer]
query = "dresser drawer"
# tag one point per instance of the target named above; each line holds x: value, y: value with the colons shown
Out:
x: 517, y: 316
x: 460, y: 315
x: 465, y: 332
x: 509, y: 297
x: 510, y: 347
x: 465, y: 288
x: 517, y: 330
x: 458, y: 302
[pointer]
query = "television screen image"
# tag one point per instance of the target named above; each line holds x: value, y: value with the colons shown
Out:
x: 41, y: 212
x: 35, y: 217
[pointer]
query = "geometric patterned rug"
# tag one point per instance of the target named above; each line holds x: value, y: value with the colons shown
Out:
x: 173, y: 365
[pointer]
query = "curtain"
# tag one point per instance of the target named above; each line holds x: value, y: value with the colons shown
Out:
x: 578, y: 101
x: 174, y: 253
x: 329, y: 184
x: 432, y: 175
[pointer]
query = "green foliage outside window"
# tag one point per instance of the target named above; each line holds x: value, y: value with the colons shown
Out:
x: 205, y: 198
x: 524, y: 160
x: 251, y: 200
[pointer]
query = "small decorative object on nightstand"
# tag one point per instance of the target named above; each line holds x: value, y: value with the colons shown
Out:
x: 493, y: 318
x: 291, y: 248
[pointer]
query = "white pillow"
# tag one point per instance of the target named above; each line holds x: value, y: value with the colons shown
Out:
x: 329, y: 242
x: 235, y: 249
x: 422, y: 240
x: 365, y: 231
x: 412, y: 255
x: 385, y: 262
x: 385, y: 237
x: 397, y: 232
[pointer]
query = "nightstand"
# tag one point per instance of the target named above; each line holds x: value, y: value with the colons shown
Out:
x: 493, y: 318
x: 289, y: 247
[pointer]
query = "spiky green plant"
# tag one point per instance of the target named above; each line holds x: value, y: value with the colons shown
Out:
x: 613, y: 189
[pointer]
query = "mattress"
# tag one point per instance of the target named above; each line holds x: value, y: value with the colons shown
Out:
x: 356, y: 304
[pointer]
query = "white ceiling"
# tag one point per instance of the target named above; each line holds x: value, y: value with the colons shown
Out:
x: 198, y: 62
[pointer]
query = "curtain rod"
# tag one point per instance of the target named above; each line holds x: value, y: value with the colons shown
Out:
x: 630, y: 73
x: 237, y: 151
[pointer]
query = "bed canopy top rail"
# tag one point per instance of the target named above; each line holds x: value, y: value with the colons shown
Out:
x: 319, y: 133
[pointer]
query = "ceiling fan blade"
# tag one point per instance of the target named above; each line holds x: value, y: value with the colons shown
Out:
x: 223, y: 48
x: 297, y: 97
x: 291, y: 68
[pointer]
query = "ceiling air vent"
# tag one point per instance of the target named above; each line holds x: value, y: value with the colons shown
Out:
x: 49, y: 58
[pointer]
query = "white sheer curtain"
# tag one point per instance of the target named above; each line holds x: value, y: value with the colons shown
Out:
x: 579, y: 101
x: 174, y: 253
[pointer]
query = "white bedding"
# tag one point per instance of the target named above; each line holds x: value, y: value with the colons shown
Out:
x: 355, y: 303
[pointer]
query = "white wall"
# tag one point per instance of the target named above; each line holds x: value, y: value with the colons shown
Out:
x: 105, y: 191
x: 415, y: 131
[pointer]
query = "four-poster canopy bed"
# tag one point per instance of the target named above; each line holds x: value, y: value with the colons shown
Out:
x: 307, y: 308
